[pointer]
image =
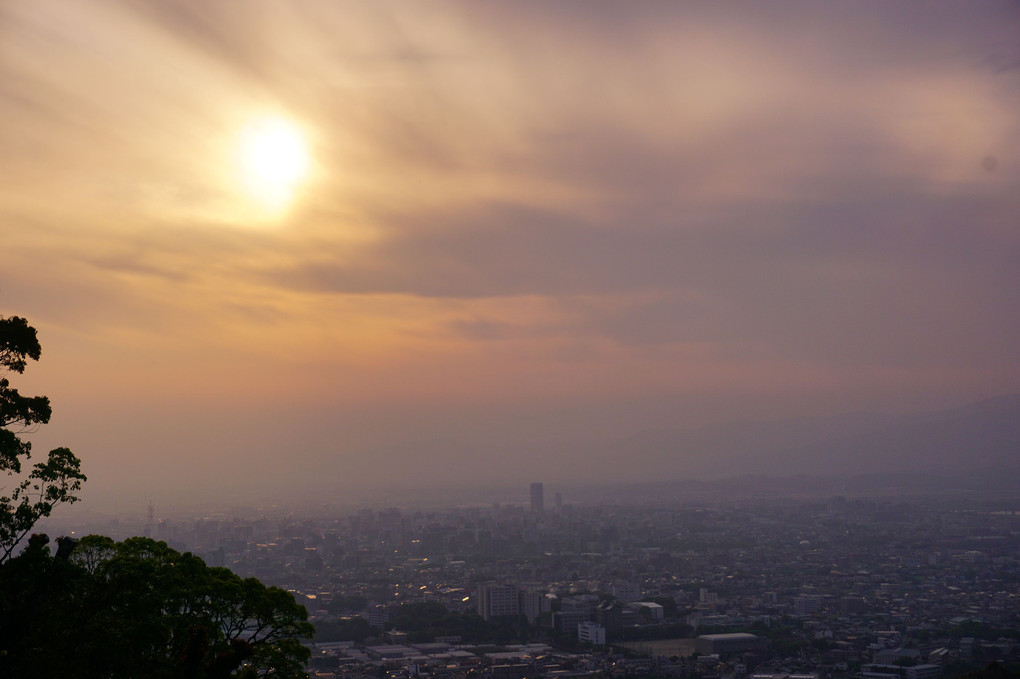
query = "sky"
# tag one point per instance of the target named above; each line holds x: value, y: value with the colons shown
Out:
x: 522, y: 229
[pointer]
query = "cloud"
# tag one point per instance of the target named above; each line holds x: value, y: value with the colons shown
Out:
x: 516, y: 210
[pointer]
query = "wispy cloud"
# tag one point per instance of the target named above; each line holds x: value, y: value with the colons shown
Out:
x: 538, y: 207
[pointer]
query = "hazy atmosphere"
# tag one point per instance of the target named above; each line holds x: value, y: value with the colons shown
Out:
x: 313, y: 245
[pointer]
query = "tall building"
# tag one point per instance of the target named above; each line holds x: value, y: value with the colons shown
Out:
x: 627, y: 592
x: 806, y: 604
x: 609, y: 615
x: 532, y: 603
x: 497, y: 601
x: 592, y: 633
x: 537, y: 498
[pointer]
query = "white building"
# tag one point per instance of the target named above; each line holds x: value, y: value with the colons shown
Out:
x: 655, y: 611
x: 627, y: 592
x: 807, y: 604
x: 533, y: 603
x: 496, y: 601
x: 592, y: 633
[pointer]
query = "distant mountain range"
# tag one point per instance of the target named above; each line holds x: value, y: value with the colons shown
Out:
x: 981, y: 437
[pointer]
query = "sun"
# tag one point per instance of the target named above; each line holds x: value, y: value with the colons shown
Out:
x: 273, y: 158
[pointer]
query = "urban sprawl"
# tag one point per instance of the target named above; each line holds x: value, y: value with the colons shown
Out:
x: 841, y: 587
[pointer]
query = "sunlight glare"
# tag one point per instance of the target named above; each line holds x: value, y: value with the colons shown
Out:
x: 274, y: 161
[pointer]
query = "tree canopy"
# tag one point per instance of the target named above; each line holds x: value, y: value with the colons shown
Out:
x: 138, y: 608
x: 33, y: 494
x: 102, y: 609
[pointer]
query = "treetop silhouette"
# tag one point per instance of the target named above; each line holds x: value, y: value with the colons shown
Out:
x: 33, y: 495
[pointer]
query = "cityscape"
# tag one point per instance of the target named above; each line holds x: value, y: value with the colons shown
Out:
x: 913, y: 587
x: 515, y: 339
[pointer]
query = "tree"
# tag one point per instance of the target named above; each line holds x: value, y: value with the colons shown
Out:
x: 101, y: 609
x: 348, y: 603
x: 141, y: 609
x: 345, y: 629
x: 33, y: 495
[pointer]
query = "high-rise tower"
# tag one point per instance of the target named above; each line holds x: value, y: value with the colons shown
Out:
x: 537, y: 498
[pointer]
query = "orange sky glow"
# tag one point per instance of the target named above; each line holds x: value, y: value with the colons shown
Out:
x: 513, y: 231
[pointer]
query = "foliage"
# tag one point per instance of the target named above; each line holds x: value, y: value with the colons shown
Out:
x: 101, y: 609
x: 57, y: 480
x: 424, y: 621
x: 982, y: 630
x: 992, y: 671
x: 346, y: 629
x: 140, y: 609
x: 349, y: 602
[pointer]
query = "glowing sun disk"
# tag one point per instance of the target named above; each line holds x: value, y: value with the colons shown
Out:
x: 273, y: 159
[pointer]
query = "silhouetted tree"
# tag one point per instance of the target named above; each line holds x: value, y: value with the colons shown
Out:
x: 140, y: 609
x: 34, y: 494
x: 102, y: 609
x: 345, y: 629
x: 349, y: 602
x: 992, y: 671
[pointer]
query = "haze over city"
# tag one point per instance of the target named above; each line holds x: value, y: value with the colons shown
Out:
x: 335, y: 246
